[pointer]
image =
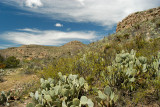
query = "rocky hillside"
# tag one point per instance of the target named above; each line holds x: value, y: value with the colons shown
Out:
x: 138, y: 17
x: 144, y: 24
x: 37, y: 51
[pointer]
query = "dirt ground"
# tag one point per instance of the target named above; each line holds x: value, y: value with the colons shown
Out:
x: 16, y: 79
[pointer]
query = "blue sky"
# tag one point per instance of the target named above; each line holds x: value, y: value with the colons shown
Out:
x: 56, y: 22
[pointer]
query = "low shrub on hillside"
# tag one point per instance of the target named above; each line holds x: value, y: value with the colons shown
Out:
x: 2, y: 65
x: 2, y: 73
x: 158, y: 23
x: 1, y: 59
x: 33, y: 66
x: 88, y: 65
x: 12, y: 62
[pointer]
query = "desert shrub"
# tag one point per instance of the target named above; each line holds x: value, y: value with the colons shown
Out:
x: 12, y: 62
x: 118, y: 38
x: 2, y: 73
x: 107, y: 47
x: 88, y: 65
x: 158, y: 23
x: 2, y: 65
x: 1, y: 59
x: 140, y: 42
x: 34, y: 66
x: 148, y: 95
x: 64, y: 65
x: 126, y: 36
x: 137, y: 26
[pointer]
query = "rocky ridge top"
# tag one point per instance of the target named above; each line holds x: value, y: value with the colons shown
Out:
x: 138, y: 17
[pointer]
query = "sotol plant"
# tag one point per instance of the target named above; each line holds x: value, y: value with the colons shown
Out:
x: 68, y: 91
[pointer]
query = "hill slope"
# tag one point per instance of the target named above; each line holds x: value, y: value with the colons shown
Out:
x: 143, y: 25
x: 37, y: 51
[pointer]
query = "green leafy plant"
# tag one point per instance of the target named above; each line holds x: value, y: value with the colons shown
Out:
x: 2, y: 65
x: 1, y: 59
x: 12, y: 62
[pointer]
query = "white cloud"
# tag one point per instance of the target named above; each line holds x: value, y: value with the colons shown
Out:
x: 2, y: 46
x: 81, y: 1
x: 33, y: 3
x: 68, y: 29
x: 102, y: 12
x: 28, y: 30
x: 47, y: 37
x: 58, y: 25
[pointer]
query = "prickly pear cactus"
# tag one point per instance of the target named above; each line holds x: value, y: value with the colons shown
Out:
x: 4, y: 98
x: 155, y: 65
x: 107, y: 98
x: 128, y: 70
x: 68, y: 91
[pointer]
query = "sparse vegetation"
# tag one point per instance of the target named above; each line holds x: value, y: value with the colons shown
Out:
x: 158, y: 23
x: 120, y: 70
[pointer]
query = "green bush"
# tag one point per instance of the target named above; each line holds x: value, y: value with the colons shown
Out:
x: 2, y: 65
x: 34, y: 66
x: 158, y: 23
x: 1, y: 59
x: 12, y: 62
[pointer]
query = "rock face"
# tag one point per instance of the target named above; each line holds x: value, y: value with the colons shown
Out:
x: 138, y: 17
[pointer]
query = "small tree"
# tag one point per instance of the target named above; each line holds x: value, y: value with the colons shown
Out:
x: 12, y: 62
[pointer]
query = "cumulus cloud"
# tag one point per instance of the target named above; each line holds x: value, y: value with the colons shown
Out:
x: 47, y: 37
x: 58, y: 25
x: 33, y: 3
x: 102, y: 12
